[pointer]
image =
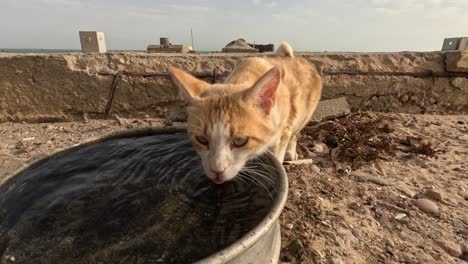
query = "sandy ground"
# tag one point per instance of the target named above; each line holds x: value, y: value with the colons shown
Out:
x: 335, y: 213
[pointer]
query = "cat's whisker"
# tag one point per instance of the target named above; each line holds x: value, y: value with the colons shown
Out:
x: 260, y: 184
x: 260, y: 177
x: 246, y: 177
x: 263, y: 173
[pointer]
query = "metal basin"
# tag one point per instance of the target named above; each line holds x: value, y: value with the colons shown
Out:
x: 140, y: 197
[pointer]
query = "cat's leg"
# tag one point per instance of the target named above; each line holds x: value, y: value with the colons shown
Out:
x: 282, y: 146
x: 291, y: 153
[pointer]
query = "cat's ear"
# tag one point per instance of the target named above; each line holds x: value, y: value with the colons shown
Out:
x: 190, y: 87
x: 263, y: 92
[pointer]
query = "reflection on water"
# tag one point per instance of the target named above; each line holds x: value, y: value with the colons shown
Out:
x: 133, y: 200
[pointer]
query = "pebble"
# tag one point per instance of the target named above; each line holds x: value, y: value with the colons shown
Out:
x: 464, y: 255
x: 452, y: 248
x: 406, y: 191
x: 365, y: 177
x: 427, y: 206
x: 320, y: 147
x: 354, y: 205
x: 433, y: 194
x: 121, y: 121
x: 289, y: 226
x: 402, y: 218
x: 336, y: 261
x: 295, y: 248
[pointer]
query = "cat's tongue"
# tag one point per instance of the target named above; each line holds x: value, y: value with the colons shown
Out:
x: 217, y: 181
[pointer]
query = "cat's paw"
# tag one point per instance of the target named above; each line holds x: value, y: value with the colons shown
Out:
x: 291, y: 156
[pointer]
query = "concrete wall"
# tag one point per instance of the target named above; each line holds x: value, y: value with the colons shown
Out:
x: 40, y: 87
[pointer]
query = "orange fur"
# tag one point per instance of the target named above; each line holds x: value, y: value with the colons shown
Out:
x: 267, y: 99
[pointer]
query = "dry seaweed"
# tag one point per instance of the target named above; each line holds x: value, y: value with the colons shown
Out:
x: 360, y: 138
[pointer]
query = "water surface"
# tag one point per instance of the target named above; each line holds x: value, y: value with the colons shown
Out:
x: 132, y: 200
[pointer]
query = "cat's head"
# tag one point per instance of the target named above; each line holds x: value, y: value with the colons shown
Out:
x: 228, y: 124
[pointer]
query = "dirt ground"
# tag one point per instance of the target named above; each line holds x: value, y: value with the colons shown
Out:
x: 369, y: 211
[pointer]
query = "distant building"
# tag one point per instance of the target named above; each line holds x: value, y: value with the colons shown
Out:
x: 239, y: 46
x: 455, y: 44
x: 92, y: 41
x: 166, y: 47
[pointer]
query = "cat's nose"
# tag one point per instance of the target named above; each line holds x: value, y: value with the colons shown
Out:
x: 218, y: 171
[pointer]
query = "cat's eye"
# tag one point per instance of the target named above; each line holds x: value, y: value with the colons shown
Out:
x: 202, y: 140
x: 240, y: 141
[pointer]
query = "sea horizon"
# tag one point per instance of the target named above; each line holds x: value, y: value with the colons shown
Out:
x: 9, y: 50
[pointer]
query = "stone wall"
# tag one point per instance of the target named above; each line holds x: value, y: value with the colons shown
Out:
x: 60, y: 87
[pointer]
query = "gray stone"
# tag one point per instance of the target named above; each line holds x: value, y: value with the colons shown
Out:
x: 329, y: 109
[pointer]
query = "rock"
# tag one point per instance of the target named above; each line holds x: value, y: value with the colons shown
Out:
x: 457, y: 61
x: 329, y: 109
x: 295, y: 248
x: 335, y: 261
x: 289, y: 226
x: 427, y: 206
x: 433, y: 194
x: 464, y: 255
x: 354, y: 205
x: 452, y: 248
x: 121, y: 121
x: 324, y: 164
x: 402, y: 218
x: 29, y: 139
x: 168, y: 121
x: 406, y: 191
x: 321, y: 148
x: 364, y: 177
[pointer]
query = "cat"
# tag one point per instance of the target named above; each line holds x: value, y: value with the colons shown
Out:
x: 261, y: 106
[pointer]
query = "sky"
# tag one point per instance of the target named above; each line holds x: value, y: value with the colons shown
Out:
x: 332, y: 25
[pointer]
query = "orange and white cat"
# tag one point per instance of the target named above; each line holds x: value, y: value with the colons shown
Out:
x: 262, y: 106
